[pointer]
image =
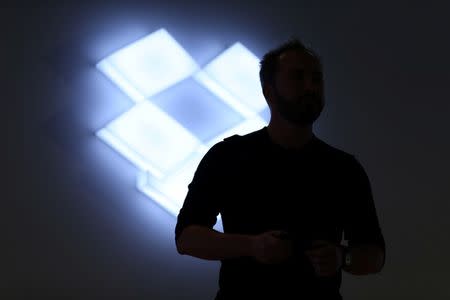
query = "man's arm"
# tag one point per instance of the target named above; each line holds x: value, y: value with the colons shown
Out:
x: 269, y: 247
x: 366, y: 259
x: 362, y: 228
x: 206, y: 243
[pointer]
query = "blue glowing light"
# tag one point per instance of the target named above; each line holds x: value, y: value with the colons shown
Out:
x: 150, y: 139
x: 236, y: 71
x: 148, y: 66
x: 181, y: 110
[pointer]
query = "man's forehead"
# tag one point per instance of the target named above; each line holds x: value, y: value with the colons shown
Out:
x: 294, y: 59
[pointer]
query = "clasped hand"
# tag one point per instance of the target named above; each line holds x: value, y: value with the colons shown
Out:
x: 274, y: 247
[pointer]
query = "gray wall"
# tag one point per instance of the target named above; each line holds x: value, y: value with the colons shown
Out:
x: 76, y: 225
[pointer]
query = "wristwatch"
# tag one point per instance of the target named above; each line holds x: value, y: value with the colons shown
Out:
x: 346, y: 256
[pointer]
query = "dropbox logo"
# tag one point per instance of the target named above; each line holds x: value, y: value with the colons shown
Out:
x: 181, y: 109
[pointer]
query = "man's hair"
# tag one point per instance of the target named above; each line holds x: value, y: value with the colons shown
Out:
x: 269, y: 62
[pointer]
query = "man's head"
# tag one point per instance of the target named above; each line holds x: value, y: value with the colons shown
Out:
x: 292, y: 83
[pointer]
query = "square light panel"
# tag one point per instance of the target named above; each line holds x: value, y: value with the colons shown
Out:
x: 148, y: 66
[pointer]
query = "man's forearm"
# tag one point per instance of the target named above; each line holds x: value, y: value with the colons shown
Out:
x: 366, y: 259
x: 206, y: 243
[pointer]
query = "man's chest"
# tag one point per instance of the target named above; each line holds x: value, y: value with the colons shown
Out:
x: 284, y: 194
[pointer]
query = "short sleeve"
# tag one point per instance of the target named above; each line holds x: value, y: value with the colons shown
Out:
x: 201, y: 205
x: 361, y: 224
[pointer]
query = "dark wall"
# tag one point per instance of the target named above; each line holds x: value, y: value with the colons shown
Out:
x: 75, y: 223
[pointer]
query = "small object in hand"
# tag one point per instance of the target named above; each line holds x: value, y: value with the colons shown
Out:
x: 283, y: 235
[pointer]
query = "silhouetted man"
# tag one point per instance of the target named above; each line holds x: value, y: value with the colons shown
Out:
x: 285, y: 196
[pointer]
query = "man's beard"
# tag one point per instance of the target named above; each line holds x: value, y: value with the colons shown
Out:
x: 303, y: 112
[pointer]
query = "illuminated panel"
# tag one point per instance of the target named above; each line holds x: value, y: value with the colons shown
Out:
x: 171, y: 190
x: 150, y: 139
x: 197, y: 109
x: 148, y: 66
x: 234, y: 74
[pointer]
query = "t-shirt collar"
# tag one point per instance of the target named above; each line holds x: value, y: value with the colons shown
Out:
x: 309, y: 146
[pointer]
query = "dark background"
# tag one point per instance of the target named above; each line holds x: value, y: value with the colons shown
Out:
x: 74, y: 223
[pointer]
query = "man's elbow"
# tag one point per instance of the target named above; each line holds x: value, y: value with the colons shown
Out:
x: 179, y: 245
x: 180, y: 242
x: 380, y: 261
x: 180, y: 250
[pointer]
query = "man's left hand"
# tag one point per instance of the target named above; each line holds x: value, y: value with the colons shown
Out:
x: 326, y: 257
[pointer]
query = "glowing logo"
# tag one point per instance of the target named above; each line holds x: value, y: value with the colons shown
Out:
x: 181, y: 109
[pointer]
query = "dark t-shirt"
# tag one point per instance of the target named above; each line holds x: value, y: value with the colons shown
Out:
x: 317, y: 192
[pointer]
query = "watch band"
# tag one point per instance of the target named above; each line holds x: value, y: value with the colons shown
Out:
x: 347, y: 256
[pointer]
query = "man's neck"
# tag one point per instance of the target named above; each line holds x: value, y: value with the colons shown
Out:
x: 289, y: 136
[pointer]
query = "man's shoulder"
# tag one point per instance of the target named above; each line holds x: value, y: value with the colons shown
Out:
x: 338, y: 160
x: 234, y: 142
x: 236, y: 145
x: 334, y: 152
x: 244, y: 139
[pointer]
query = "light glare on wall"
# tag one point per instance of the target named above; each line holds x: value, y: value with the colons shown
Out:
x: 165, y: 152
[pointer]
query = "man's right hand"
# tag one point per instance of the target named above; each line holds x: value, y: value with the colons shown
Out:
x: 272, y: 247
